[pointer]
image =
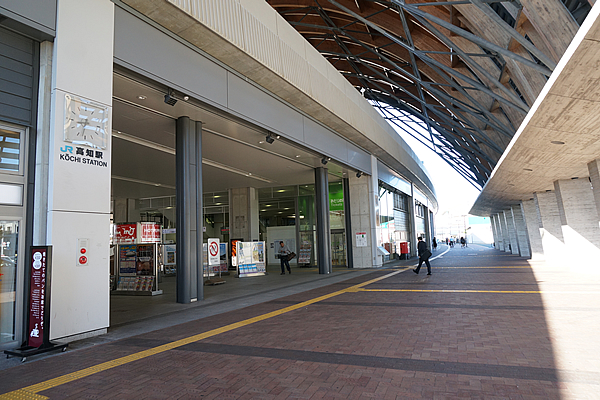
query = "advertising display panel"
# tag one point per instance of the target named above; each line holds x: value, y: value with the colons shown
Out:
x: 251, y: 259
x: 149, y: 232
x: 126, y: 233
x: 233, y: 255
x: 127, y: 259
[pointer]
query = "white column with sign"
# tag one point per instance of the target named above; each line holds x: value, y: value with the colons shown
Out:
x: 79, y: 170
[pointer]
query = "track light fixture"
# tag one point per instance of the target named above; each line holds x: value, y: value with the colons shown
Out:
x: 270, y: 139
x: 169, y: 99
x: 358, y: 174
x: 325, y: 160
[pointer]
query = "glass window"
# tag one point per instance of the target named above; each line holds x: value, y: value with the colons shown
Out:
x: 10, y: 149
x: 9, y: 231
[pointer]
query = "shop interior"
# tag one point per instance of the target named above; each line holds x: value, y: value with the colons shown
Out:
x: 235, y: 154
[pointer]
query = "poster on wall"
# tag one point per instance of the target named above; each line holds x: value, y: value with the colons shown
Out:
x: 361, y: 239
x: 127, y: 259
x: 170, y: 254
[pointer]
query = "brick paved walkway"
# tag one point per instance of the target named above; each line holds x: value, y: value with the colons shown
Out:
x: 485, y: 325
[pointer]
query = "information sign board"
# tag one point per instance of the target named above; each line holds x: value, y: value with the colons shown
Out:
x: 361, y: 239
x: 38, y: 298
x: 213, y: 252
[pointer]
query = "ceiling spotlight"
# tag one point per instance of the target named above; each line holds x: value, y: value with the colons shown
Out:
x: 270, y: 139
x: 325, y: 160
x: 142, y: 97
x: 186, y: 98
x: 169, y: 99
x: 358, y: 174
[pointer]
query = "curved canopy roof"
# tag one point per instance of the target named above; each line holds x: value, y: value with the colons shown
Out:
x: 458, y: 75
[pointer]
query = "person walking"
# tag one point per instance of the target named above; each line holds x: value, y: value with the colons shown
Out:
x: 424, y: 255
x: 284, y: 250
x: 434, y: 244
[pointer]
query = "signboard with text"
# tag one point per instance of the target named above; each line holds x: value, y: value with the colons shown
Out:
x: 126, y: 233
x: 38, y: 296
x: 213, y: 252
x: 149, y: 232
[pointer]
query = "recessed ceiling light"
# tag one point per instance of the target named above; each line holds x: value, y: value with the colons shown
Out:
x: 261, y: 141
x: 557, y: 142
x: 298, y: 156
x: 142, y: 97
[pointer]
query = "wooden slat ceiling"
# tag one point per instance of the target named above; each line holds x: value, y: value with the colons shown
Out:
x: 459, y: 76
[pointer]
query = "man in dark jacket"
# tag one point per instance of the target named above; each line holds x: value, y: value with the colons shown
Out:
x: 424, y: 255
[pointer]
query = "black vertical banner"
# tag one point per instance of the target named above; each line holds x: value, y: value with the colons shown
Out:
x: 38, y: 333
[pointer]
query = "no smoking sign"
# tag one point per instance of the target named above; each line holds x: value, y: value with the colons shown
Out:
x: 213, y: 252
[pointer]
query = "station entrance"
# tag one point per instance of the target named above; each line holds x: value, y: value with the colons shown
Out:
x: 256, y: 187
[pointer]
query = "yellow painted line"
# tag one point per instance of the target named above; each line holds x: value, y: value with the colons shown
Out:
x: 30, y: 392
x: 482, y: 267
x: 473, y: 291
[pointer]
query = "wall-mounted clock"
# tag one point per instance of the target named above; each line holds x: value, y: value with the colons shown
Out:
x: 86, y: 123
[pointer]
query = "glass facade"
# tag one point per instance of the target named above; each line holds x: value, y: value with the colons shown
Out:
x: 9, y: 233
x: 394, y: 219
x: 386, y: 230
x: 10, y: 150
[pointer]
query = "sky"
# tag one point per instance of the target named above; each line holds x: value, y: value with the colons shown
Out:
x: 454, y: 193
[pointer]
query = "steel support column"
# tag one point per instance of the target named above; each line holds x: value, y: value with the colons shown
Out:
x: 188, y: 161
x: 323, y: 231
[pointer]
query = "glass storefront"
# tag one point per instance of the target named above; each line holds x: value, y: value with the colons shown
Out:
x: 12, y: 211
x: 394, y: 220
x: 9, y: 232
x: 337, y: 224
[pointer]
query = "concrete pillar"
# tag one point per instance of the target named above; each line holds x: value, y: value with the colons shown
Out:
x: 594, y: 169
x: 374, y: 216
x: 521, y: 231
x: 190, y: 220
x: 243, y: 214
x: 40, y: 211
x: 323, y: 229
x: 494, y: 231
x: 120, y: 210
x: 79, y: 294
x: 504, y: 229
x: 500, y: 231
x: 360, y: 214
x: 530, y: 215
x: 550, y: 226
x: 579, y: 220
x: 512, y: 232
